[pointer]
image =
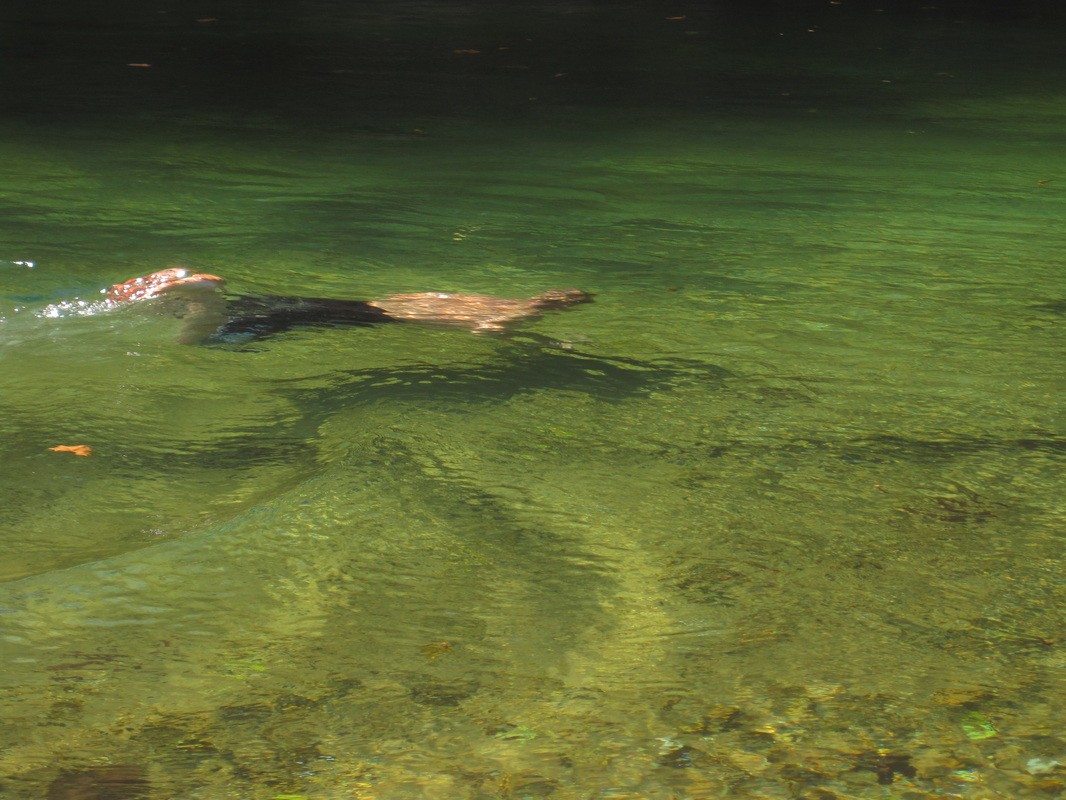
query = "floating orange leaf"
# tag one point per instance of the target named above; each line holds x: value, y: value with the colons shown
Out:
x: 76, y: 449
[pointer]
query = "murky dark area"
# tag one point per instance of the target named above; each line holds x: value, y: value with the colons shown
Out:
x: 779, y: 515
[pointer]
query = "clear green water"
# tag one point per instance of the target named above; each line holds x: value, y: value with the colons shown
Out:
x: 783, y: 519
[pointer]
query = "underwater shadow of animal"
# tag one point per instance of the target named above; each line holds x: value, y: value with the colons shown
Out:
x: 522, y: 367
x: 524, y: 364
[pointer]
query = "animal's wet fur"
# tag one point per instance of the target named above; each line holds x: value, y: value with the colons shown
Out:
x: 209, y: 314
x: 267, y: 315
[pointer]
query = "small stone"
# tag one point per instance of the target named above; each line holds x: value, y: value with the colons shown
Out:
x: 931, y: 763
x: 719, y: 718
x: 961, y: 696
x: 680, y: 758
x: 1041, y: 766
x: 751, y: 763
x: 823, y: 691
x: 1053, y: 786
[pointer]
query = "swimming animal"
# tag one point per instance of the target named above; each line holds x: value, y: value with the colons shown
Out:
x: 210, y: 314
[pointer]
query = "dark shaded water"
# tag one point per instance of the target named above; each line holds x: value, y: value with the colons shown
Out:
x: 780, y: 515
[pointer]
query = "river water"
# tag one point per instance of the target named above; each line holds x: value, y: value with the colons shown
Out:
x: 780, y: 515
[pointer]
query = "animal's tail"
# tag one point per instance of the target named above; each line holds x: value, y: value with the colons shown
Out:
x: 561, y: 298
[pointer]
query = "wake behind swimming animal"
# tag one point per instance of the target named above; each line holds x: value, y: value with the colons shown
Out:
x: 208, y: 313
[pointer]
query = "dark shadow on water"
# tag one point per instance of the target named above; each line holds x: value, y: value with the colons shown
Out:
x: 521, y: 367
x: 950, y: 446
x: 879, y: 449
x: 116, y: 782
x: 1054, y: 307
x: 372, y: 64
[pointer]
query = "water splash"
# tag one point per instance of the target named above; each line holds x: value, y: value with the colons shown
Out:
x: 74, y: 308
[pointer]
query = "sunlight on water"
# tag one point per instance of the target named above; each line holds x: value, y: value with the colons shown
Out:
x: 778, y: 515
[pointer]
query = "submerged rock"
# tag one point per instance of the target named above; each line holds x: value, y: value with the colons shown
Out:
x: 114, y: 782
